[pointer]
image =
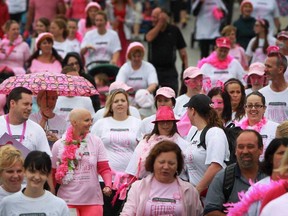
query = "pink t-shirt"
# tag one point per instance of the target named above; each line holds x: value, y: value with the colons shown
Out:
x: 44, y: 8
x: 16, y: 58
x: 38, y: 66
x: 84, y: 189
x: 164, y: 199
x: 82, y: 28
x: 77, y: 9
x: 239, y: 53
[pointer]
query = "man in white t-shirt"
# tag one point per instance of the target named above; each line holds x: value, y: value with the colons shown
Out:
x: 193, y: 79
x: 17, y: 124
x: 282, y: 43
x: 276, y: 93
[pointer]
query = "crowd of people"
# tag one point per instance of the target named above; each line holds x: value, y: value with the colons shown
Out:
x: 213, y: 142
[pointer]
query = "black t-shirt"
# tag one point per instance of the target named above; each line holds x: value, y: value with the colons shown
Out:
x: 162, y: 50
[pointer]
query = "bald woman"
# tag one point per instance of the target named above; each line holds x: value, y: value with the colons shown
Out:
x: 77, y: 159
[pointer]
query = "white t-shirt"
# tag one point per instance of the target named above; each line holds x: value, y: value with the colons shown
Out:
x: 63, y: 47
x: 258, y: 55
x: 266, y: 10
x: 138, y: 79
x: 119, y: 139
x: 234, y: 70
x: 277, y: 104
x: 75, y: 45
x: 197, y: 159
x: 276, y: 207
x: 65, y: 104
x: 34, y: 137
x: 47, y: 204
x: 207, y: 26
x: 268, y: 132
x: 146, y: 127
x: 105, y: 45
x: 99, y: 114
x: 16, y: 6
x: 137, y: 167
x: 4, y: 193
x: 56, y: 125
x: 286, y: 72
x: 164, y: 199
x: 179, y: 110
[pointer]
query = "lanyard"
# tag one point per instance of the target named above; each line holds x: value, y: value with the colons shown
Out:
x: 9, y: 129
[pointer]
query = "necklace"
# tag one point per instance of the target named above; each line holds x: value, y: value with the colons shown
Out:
x: 9, y: 129
x: 69, y: 158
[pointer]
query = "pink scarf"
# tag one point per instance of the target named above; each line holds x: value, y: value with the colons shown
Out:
x: 215, y: 62
x: 256, y: 194
x: 257, y: 127
x: 7, y: 43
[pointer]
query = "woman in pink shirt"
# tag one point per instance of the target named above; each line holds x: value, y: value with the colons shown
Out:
x: 13, y: 50
x: 163, y: 192
x: 88, y: 23
x: 236, y: 51
x: 45, y: 58
x: 77, y: 159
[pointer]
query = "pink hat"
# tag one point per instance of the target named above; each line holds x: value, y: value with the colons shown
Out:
x: 132, y: 47
x: 192, y: 72
x: 119, y: 85
x: 144, y: 98
x: 166, y: 92
x: 245, y: 2
x: 223, y: 42
x: 165, y: 113
x: 92, y: 4
x: 282, y: 34
x: 43, y: 36
x: 257, y: 68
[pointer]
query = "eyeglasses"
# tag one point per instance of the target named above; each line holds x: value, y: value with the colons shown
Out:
x: 256, y: 106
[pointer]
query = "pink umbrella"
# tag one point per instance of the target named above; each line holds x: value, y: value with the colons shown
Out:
x: 64, y: 85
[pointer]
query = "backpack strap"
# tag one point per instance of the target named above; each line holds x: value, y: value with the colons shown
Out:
x: 202, y: 138
x: 229, y: 178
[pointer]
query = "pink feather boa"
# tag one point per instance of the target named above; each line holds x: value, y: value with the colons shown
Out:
x: 256, y: 194
x: 215, y: 62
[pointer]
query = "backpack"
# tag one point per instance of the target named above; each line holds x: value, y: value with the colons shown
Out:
x: 232, y: 133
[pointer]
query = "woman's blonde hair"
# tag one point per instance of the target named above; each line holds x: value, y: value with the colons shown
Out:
x: 108, y: 106
x: 9, y: 156
x: 282, y: 130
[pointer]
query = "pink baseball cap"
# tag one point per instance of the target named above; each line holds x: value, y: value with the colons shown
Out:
x: 43, y: 36
x: 92, y: 4
x: 192, y: 72
x: 166, y: 92
x: 119, y: 85
x: 223, y: 42
x: 165, y: 113
x: 245, y: 2
x: 257, y: 68
x: 134, y: 46
x: 282, y: 34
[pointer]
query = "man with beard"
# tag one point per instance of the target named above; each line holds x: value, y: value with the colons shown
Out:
x: 17, y: 125
x: 226, y: 184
